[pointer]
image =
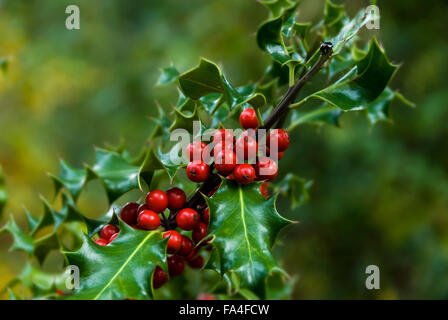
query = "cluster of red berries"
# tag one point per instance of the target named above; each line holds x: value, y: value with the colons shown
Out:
x: 150, y: 215
x: 230, y: 154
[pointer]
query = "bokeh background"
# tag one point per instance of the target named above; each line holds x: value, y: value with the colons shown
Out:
x: 380, y: 195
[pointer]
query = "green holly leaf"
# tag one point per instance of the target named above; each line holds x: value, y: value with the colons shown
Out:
x: 184, y: 115
x: 278, y: 7
x: 319, y: 117
x: 349, y: 30
x: 362, y: 84
x: 207, y: 78
x: 21, y: 240
x: 294, y: 188
x: 244, y: 225
x: 72, y: 179
x: 163, y: 124
x: 168, y: 75
x: 333, y: 12
x: 378, y: 110
x: 301, y: 29
x: 123, y: 269
x: 270, y: 39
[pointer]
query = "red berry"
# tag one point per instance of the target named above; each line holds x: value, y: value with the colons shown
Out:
x: 174, y: 242
x: 107, y: 231
x: 248, y: 119
x: 176, y: 198
x: 219, y: 147
x: 206, y: 215
x: 195, y: 150
x: 159, y: 278
x: 157, y: 200
x: 148, y: 220
x: 266, y: 168
x: 206, y: 296
x: 264, y: 189
x: 198, y: 171
x: 129, y: 213
x: 187, y: 246
x: 176, y: 265
x: 197, y: 262
x: 112, y: 238
x: 244, y: 173
x: 199, y: 232
x: 225, y: 162
x: 246, y: 146
x: 59, y: 292
x: 280, y: 137
x: 141, y: 208
x: 278, y: 156
x: 223, y: 135
x: 102, y: 242
x: 187, y: 219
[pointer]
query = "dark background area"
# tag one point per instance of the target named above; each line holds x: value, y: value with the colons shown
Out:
x: 380, y: 195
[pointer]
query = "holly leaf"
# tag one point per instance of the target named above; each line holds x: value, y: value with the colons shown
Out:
x: 333, y: 12
x: 295, y: 188
x: 21, y: 240
x: 319, y: 117
x: 244, y: 225
x: 207, y: 78
x: 278, y: 7
x: 168, y: 75
x: 72, y: 179
x: 123, y: 269
x: 378, y: 110
x: 362, y: 84
x: 270, y: 39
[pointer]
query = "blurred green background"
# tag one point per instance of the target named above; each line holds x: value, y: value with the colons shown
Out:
x: 380, y: 195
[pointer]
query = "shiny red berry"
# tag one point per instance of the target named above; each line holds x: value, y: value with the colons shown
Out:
x: 246, y: 147
x: 195, y: 150
x: 112, y: 238
x: 108, y: 230
x: 148, y: 220
x: 248, y: 119
x: 102, y: 242
x: 159, y: 278
x: 244, y: 173
x: 280, y: 137
x: 206, y: 215
x: 264, y: 189
x: 141, y: 208
x: 199, y: 232
x: 157, y: 200
x: 197, y: 262
x: 187, y: 246
x: 129, y: 213
x: 174, y: 242
x: 219, y: 147
x: 225, y: 162
x: 198, y: 171
x: 206, y: 296
x: 266, y: 168
x: 222, y: 135
x: 176, y: 265
x: 187, y: 219
x: 176, y: 198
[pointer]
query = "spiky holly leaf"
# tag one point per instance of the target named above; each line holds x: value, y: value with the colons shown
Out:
x: 378, y: 110
x: 207, y: 78
x: 42, y: 284
x: 3, y: 194
x: 73, y: 179
x: 244, y: 225
x: 278, y: 7
x: 361, y: 85
x: 333, y: 12
x: 323, y: 115
x: 295, y: 188
x: 168, y: 75
x: 122, y: 269
x: 270, y: 39
x: 21, y: 240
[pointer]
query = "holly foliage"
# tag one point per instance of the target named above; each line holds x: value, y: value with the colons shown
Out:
x: 243, y: 224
